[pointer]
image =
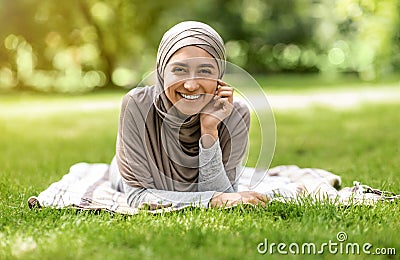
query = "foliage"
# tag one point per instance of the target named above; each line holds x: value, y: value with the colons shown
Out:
x: 79, y: 45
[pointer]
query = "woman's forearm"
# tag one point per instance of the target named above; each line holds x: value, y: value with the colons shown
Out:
x: 137, y: 197
x: 212, y: 175
x: 208, y: 136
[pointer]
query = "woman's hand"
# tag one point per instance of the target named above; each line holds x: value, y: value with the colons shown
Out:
x: 244, y: 197
x: 217, y: 110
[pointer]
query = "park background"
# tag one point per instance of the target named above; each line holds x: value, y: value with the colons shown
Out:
x: 329, y: 68
x: 81, y: 45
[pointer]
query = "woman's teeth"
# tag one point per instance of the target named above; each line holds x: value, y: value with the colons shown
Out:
x: 191, y: 97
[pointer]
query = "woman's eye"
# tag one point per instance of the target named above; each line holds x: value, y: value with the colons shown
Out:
x: 205, y: 71
x: 178, y: 69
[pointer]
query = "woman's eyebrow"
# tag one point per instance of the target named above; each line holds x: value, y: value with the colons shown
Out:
x: 177, y: 63
x: 206, y: 65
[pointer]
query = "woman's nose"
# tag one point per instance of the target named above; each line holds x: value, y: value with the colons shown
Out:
x: 191, y: 85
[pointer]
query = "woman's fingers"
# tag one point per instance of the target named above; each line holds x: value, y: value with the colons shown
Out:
x: 225, y: 91
x: 254, y: 198
x: 262, y: 197
x: 221, y: 102
x: 244, y: 197
x: 262, y: 203
x: 263, y: 200
x: 221, y: 107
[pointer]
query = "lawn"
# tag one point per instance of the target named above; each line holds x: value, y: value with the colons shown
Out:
x: 41, y: 136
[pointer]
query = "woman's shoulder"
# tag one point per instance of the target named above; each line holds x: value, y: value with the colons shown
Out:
x: 141, y: 96
x: 142, y: 93
x: 241, y: 106
x: 240, y: 113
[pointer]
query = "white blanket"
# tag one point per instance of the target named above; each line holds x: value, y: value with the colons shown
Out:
x: 86, y: 186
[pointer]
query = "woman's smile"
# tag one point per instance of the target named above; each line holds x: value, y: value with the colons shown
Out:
x: 190, y: 97
x: 191, y: 103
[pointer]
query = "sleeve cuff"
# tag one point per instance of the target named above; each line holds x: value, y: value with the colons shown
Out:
x: 206, y: 154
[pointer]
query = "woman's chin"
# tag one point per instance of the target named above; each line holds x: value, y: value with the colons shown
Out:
x: 192, y: 107
x: 189, y: 110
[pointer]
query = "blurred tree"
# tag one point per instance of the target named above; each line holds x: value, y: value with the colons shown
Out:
x: 357, y: 36
x: 80, y: 45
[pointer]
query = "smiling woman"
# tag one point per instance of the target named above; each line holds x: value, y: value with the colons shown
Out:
x: 182, y: 140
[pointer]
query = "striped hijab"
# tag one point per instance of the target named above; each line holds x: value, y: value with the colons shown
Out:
x: 190, y: 33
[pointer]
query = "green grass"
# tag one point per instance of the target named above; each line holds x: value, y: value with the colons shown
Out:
x: 41, y: 136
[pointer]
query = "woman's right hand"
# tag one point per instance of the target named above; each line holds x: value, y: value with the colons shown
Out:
x: 244, y: 197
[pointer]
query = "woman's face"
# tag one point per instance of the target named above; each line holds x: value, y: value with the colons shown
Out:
x: 190, y: 79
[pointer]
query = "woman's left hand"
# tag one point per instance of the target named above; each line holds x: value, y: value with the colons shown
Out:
x: 218, y: 109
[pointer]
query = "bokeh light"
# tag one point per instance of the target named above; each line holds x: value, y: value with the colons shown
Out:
x: 83, y: 45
